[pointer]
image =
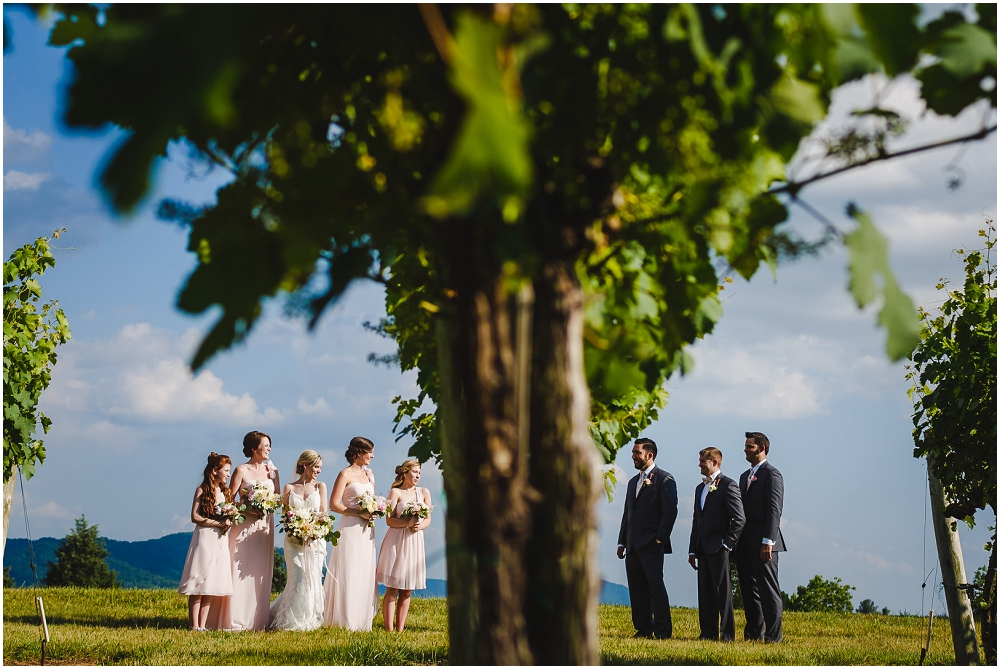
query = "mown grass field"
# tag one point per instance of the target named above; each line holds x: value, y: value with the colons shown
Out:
x: 150, y: 627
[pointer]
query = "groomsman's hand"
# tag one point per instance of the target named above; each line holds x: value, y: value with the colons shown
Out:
x: 692, y: 561
x: 765, y: 553
x: 621, y: 552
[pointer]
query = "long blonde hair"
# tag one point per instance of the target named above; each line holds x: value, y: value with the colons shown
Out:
x: 401, y: 470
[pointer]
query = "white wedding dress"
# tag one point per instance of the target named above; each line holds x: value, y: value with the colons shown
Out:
x: 300, y: 606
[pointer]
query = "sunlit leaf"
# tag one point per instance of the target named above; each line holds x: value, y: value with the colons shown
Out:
x: 869, y: 257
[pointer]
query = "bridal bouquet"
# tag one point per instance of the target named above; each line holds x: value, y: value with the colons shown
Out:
x: 259, y: 498
x: 416, y: 510
x: 229, y: 511
x: 304, y: 524
x: 376, y: 506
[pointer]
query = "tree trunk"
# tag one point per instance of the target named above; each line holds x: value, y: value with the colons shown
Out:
x: 564, y: 581
x: 989, y: 621
x: 496, y: 465
x: 463, y: 592
x: 963, y: 627
x: 8, y: 502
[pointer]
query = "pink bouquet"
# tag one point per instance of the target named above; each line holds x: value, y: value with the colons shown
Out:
x: 376, y: 506
x: 416, y: 510
x: 259, y: 498
x: 230, y: 511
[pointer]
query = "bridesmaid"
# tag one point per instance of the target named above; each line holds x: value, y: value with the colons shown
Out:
x: 401, y: 564
x: 252, y: 542
x: 207, y: 579
x: 351, y: 590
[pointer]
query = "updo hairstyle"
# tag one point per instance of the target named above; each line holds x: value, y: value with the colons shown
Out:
x: 252, y: 441
x: 308, y: 458
x: 206, y: 504
x: 401, y: 470
x: 358, y: 446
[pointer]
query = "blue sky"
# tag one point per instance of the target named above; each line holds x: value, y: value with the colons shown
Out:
x: 793, y: 358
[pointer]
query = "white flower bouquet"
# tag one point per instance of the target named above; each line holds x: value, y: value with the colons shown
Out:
x: 416, y: 510
x: 259, y: 497
x: 304, y: 525
x: 376, y: 506
x: 230, y: 511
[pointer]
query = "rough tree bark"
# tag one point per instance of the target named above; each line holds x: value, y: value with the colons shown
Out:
x: 563, y: 581
x: 989, y: 622
x: 486, y: 449
x: 463, y: 593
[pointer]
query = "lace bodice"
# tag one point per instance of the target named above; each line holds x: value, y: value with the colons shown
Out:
x: 310, y: 501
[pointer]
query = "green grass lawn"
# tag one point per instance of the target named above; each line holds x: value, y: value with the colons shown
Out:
x: 150, y: 627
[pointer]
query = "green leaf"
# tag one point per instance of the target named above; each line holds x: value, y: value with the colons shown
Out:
x: 491, y: 154
x: 797, y: 99
x: 869, y: 256
x: 966, y: 49
x: 892, y: 33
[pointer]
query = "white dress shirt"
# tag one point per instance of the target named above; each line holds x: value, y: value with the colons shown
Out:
x: 704, y: 495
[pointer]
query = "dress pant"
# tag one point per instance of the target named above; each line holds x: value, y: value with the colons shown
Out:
x: 761, y: 593
x: 650, y: 604
x: 715, y: 595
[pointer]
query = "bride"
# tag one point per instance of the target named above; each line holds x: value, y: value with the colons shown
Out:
x: 300, y: 606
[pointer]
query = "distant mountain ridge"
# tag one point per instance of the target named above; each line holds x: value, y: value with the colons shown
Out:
x: 158, y: 563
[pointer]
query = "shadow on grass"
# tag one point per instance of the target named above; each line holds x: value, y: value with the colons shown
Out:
x: 144, y: 622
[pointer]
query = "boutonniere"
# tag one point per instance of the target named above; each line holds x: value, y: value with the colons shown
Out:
x: 713, y: 486
x: 648, y: 481
x: 753, y: 478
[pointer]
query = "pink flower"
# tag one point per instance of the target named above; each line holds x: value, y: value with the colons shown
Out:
x: 272, y: 471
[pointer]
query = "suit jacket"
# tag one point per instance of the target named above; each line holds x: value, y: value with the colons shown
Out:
x: 721, y: 521
x: 762, y: 505
x: 650, y: 516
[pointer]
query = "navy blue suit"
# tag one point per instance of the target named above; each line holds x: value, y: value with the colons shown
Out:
x: 714, y: 532
x: 647, y: 522
x: 762, y: 502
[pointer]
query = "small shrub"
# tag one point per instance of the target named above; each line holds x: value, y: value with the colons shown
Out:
x: 821, y: 595
x: 81, y: 560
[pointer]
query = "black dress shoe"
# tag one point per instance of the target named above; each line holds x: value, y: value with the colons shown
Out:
x: 663, y: 637
x: 640, y: 635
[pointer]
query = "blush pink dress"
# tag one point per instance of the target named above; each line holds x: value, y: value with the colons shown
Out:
x: 251, y: 544
x: 401, y: 562
x: 351, y: 591
x: 207, y: 570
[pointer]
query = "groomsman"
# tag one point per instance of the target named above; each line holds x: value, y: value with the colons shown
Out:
x: 650, y: 512
x: 763, y: 492
x: 718, y: 521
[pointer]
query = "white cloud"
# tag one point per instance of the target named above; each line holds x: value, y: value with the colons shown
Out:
x: 15, y: 180
x: 177, y: 524
x: 141, y: 375
x: 784, y: 377
x: 23, y: 146
x: 168, y: 392
x: 319, y: 407
x: 51, y: 510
